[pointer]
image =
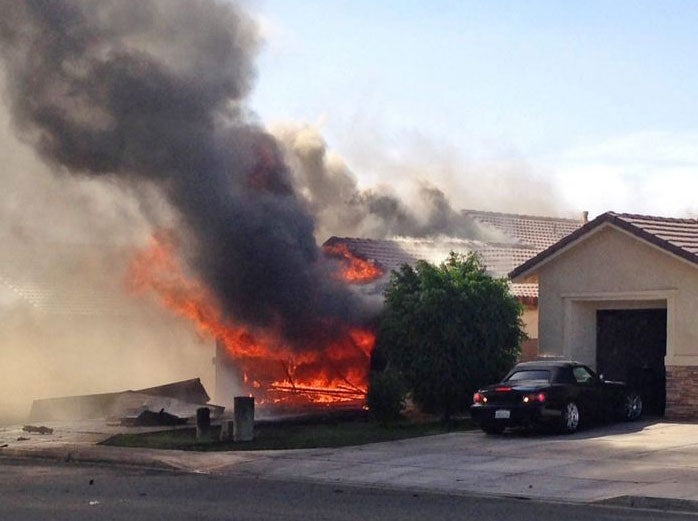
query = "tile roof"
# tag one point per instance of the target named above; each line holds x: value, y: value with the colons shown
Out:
x: 390, y: 254
x: 674, y: 235
x: 527, y: 290
x: 58, y: 301
x: 519, y: 237
x: 681, y: 234
x: 500, y: 260
x: 70, y: 283
x: 536, y: 231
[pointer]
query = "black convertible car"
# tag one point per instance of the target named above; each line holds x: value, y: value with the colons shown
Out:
x: 562, y: 394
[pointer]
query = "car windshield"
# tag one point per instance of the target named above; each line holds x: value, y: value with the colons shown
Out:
x: 534, y: 374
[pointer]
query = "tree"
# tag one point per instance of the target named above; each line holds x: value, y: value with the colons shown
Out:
x: 448, y: 330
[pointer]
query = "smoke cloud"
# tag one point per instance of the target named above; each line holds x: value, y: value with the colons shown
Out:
x: 333, y: 196
x: 152, y: 91
x: 55, y: 231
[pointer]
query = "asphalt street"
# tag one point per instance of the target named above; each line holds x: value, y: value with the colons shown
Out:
x: 40, y: 491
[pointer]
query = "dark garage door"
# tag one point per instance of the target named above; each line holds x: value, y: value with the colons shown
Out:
x: 630, y: 346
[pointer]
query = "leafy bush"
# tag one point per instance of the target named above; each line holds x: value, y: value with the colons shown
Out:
x: 386, y: 395
x: 448, y: 330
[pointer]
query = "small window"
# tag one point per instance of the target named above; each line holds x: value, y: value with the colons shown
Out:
x: 530, y: 375
x: 582, y: 375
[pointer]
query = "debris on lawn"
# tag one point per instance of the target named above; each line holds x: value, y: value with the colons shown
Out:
x: 179, y: 399
x: 38, y: 430
x: 149, y: 418
x: 22, y: 438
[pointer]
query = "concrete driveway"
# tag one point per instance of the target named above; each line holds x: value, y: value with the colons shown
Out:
x: 642, y: 459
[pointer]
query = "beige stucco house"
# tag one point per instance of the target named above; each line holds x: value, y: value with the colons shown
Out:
x: 621, y: 295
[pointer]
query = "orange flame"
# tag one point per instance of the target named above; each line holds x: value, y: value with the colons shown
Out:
x: 332, y: 373
x: 356, y: 270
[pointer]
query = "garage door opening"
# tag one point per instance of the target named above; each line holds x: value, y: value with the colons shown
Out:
x: 631, y: 346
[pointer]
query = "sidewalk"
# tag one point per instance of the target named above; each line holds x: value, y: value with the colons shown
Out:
x: 624, y: 463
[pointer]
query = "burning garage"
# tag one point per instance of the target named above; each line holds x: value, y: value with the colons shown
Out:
x: 619, y: 295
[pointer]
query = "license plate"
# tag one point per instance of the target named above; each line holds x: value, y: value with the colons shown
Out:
x: 502, y: 414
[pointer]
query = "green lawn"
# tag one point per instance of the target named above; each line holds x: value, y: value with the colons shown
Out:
x: 293, y: 434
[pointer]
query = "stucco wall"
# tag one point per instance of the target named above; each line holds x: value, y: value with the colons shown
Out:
x: 611, y: 269
x: 530, y: 321
x: 529, y: 349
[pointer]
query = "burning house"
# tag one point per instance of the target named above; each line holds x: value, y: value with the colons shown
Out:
x: 103, y: 90
x: 366, y: 265
x: 149, y: 97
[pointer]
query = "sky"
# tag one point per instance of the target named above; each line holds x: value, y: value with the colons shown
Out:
x: 594, y: 99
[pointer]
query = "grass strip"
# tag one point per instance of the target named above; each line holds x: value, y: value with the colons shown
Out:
x: 281, y: 435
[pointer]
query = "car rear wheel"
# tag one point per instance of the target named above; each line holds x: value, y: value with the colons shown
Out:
x: 632, y: 406
x: 493, y: 428
x: 570, y: 418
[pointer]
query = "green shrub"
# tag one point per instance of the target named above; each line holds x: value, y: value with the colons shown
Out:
x: 386, y: 395
x: 448, y: 330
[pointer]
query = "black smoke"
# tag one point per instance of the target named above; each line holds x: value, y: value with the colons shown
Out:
x: 153, y: 90
x: 397, y: 219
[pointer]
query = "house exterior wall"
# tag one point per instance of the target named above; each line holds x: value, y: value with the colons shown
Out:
x: 530, y: 321
x: 681, y: 391
x: 529, y: 349
x: 611, y: 269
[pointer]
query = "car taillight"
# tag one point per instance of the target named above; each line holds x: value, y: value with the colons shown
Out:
x: 532, y: 398
x: 477, y: 398
x: 503, y: 388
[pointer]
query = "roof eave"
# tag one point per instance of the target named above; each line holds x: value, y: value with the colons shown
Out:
x: 528, y: 268
x: 607, y: 219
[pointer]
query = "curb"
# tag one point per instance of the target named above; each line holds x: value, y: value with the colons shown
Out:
x: 652, y: 503
x: 81, y: 454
